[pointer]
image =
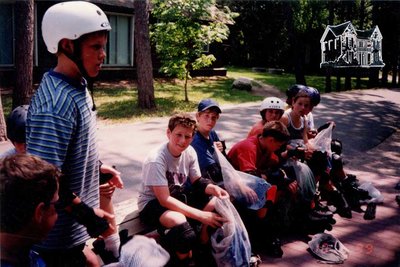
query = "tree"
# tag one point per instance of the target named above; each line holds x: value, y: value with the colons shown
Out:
x: 144, y: 65
x: 183, y: 29
x: 23, y: 52
x: 3, y: 131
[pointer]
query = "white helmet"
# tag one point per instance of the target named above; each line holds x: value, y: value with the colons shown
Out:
x: 272, y: 103
x: 71, y: 20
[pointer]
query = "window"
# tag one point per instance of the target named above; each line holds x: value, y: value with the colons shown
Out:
x: 120, y: 43
x: 7, y: 34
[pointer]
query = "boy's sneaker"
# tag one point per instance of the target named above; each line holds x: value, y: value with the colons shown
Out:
x: 106, y: 256
x: 273, y: 248
x: 326, y: 207
x: 370, y: 212
x: 255, y: 260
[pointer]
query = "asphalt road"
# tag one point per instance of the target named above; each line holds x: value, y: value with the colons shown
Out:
x: 364, y: 119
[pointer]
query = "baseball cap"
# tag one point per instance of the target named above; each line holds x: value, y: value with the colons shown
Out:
x: 328, y: 248
x: 208, y: 103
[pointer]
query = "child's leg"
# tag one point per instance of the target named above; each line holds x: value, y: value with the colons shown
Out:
x: 204, y: 235
x: 179, y: 235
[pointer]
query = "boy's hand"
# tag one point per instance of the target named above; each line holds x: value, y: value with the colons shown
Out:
x: 251, y: 196
x: 107, y: 190
x: 116, y: 178
x: 108, y: 216
x: 216, y: 191
x: 212, y: 219
x: 219, y: 145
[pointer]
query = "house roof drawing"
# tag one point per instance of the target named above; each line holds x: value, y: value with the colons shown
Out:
x: 345, y: 46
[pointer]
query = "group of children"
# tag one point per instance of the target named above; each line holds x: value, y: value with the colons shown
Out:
x: 52, y: 200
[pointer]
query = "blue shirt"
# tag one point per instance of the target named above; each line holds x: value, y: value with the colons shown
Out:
x: 205, y: 148
x: 34, y: 261
x: 61, y: 129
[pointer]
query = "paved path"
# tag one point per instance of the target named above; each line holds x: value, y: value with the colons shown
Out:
x: 368, y: 124
x: 364, y: 119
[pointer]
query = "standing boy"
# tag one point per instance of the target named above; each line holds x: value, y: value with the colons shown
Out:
x: 61, y: 127
x: 28, y: 192
x: 172, y: 190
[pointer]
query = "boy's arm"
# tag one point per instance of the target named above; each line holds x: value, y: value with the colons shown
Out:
x: 284, y: 119
x: 48, y: 137
x: 171, y: 203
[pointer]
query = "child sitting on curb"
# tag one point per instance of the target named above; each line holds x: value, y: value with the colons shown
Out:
x: 173, y: 193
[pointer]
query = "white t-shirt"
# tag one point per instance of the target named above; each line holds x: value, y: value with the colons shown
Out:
x: 309, y: 118
x: 161, y: 168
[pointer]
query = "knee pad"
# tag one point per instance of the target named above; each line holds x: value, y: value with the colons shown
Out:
x: 181, y: 238
x: 336, y: 146
x: 337, y: 162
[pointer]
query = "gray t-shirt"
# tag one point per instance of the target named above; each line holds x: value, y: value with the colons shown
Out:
x: 161, y: 168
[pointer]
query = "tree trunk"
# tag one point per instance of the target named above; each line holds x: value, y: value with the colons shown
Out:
x: 23, y: 90
x: 144, y: 67
x: 186, y: 83
x: 3, y: 131
x: 299, y: 48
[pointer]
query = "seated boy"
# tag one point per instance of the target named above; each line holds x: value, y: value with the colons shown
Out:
x: 205, y: 138
x: 271, y: 109
x: 173, y: 190
x: 252, y: 155
x: 16, y: 130
x: 28, y: 192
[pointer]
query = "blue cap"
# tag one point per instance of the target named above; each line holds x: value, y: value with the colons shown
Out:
x: 208, y: 103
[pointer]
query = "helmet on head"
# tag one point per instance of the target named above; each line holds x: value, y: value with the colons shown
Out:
x: 292, y: 92
x: 16, y: 124
x: 272, y: 103
x: 314, y: 95
x: 71, y: 20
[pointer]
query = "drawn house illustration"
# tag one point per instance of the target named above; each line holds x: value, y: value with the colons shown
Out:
x: 344, y: 46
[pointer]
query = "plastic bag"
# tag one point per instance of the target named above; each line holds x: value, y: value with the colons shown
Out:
x: 241, y: 185
x: 141, y: 251
x: 375, y: 194
x: 305, y: 179
x: 230, y: 243
x: 322, y: 142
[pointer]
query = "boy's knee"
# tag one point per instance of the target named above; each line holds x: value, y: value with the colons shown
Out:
x: 171, y: 219
x: 181, y: 238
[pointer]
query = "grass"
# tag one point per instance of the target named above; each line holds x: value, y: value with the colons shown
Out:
x: 118, y: 102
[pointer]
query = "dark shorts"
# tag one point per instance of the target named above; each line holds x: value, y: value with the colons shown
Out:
x: 151, y: 213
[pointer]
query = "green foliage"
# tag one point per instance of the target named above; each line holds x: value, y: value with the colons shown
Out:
x: 183, y: 29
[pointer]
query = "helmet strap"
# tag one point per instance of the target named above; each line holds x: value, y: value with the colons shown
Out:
x: 76, y: 57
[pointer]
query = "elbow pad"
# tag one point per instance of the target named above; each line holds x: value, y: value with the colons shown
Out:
x: 200, y: 184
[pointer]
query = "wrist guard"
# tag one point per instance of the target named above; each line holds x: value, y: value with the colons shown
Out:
x: 85, y: 215
x: 66, y: 197
x: 297, y: 152
x: 200, y: 184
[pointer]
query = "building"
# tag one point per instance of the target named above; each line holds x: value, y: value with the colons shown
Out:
x: 344, y: 46
x: 120, y: 48
x: 119, y: 64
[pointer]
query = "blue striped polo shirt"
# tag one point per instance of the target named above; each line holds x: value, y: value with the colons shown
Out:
x: 61, y: 128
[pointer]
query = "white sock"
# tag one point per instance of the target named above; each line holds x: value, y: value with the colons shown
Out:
x: 112, y: 244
